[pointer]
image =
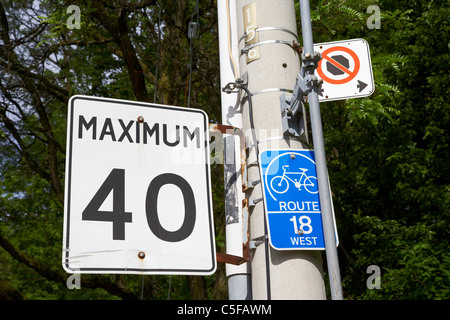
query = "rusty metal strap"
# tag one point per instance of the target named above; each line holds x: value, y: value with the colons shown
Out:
x: 229, y: 258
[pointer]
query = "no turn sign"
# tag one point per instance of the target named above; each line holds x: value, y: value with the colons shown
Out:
x: 346, y: 70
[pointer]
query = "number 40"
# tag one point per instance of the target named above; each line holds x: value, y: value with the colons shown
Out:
x: 115, y: 182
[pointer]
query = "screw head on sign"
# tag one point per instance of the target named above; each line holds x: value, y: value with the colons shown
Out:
x: 140, y: 119
x: 300, y: 232
x: 141, y: 255
x: 292, y: 156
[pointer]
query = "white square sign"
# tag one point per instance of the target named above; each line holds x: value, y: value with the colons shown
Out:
x: 138, y: 195
x: 346, y: 70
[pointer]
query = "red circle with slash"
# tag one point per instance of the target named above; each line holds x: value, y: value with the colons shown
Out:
x: 351, y: 74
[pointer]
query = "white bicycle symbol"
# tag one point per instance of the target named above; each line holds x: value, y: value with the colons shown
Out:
x: 280, y: 184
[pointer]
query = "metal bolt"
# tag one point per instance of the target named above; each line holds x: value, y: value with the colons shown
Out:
x: 300, y: 232
x: 141, y: 255
x: 140, y: 119
x: 292, y: 156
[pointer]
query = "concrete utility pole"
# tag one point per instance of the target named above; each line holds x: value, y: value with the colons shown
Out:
x: 267, y: 36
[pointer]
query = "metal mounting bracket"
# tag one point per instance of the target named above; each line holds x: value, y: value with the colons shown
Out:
x: 257, y: 241
x: 293, y: 123
x: 239, y: 83
x: 252, y: 202
x: 253, y: 183
x: 293, y: 119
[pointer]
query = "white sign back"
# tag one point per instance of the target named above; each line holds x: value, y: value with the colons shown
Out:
x: 138, y: 196
x: 346, y: 70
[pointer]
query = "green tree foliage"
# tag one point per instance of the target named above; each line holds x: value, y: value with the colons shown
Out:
x: 387, y: 154
x: 136, y: 50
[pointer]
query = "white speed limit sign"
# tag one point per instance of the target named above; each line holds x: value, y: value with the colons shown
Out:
x: 138, y: 196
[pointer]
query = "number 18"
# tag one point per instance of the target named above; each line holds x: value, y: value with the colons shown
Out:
x: 303, y: 224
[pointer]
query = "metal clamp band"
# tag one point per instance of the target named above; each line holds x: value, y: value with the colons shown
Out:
x: 269, y: 29
x: 267, y: 91
x: 271, y: 90
x: 247, y: 48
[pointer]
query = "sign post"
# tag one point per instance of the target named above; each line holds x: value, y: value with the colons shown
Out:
x: 319, y: 148
x: 138, y: 195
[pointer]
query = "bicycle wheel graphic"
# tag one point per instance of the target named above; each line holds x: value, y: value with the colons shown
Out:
x: 310, y: 184
x: 279, y: 184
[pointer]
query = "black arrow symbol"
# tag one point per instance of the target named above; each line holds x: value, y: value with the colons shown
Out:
x: 361, y: 85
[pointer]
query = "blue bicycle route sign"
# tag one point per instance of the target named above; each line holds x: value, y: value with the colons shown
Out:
x: 291, y: 199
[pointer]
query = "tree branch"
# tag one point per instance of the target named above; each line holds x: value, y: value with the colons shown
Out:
x: 9, y: 293
x: 46, y: 272
x: 116, y: 25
